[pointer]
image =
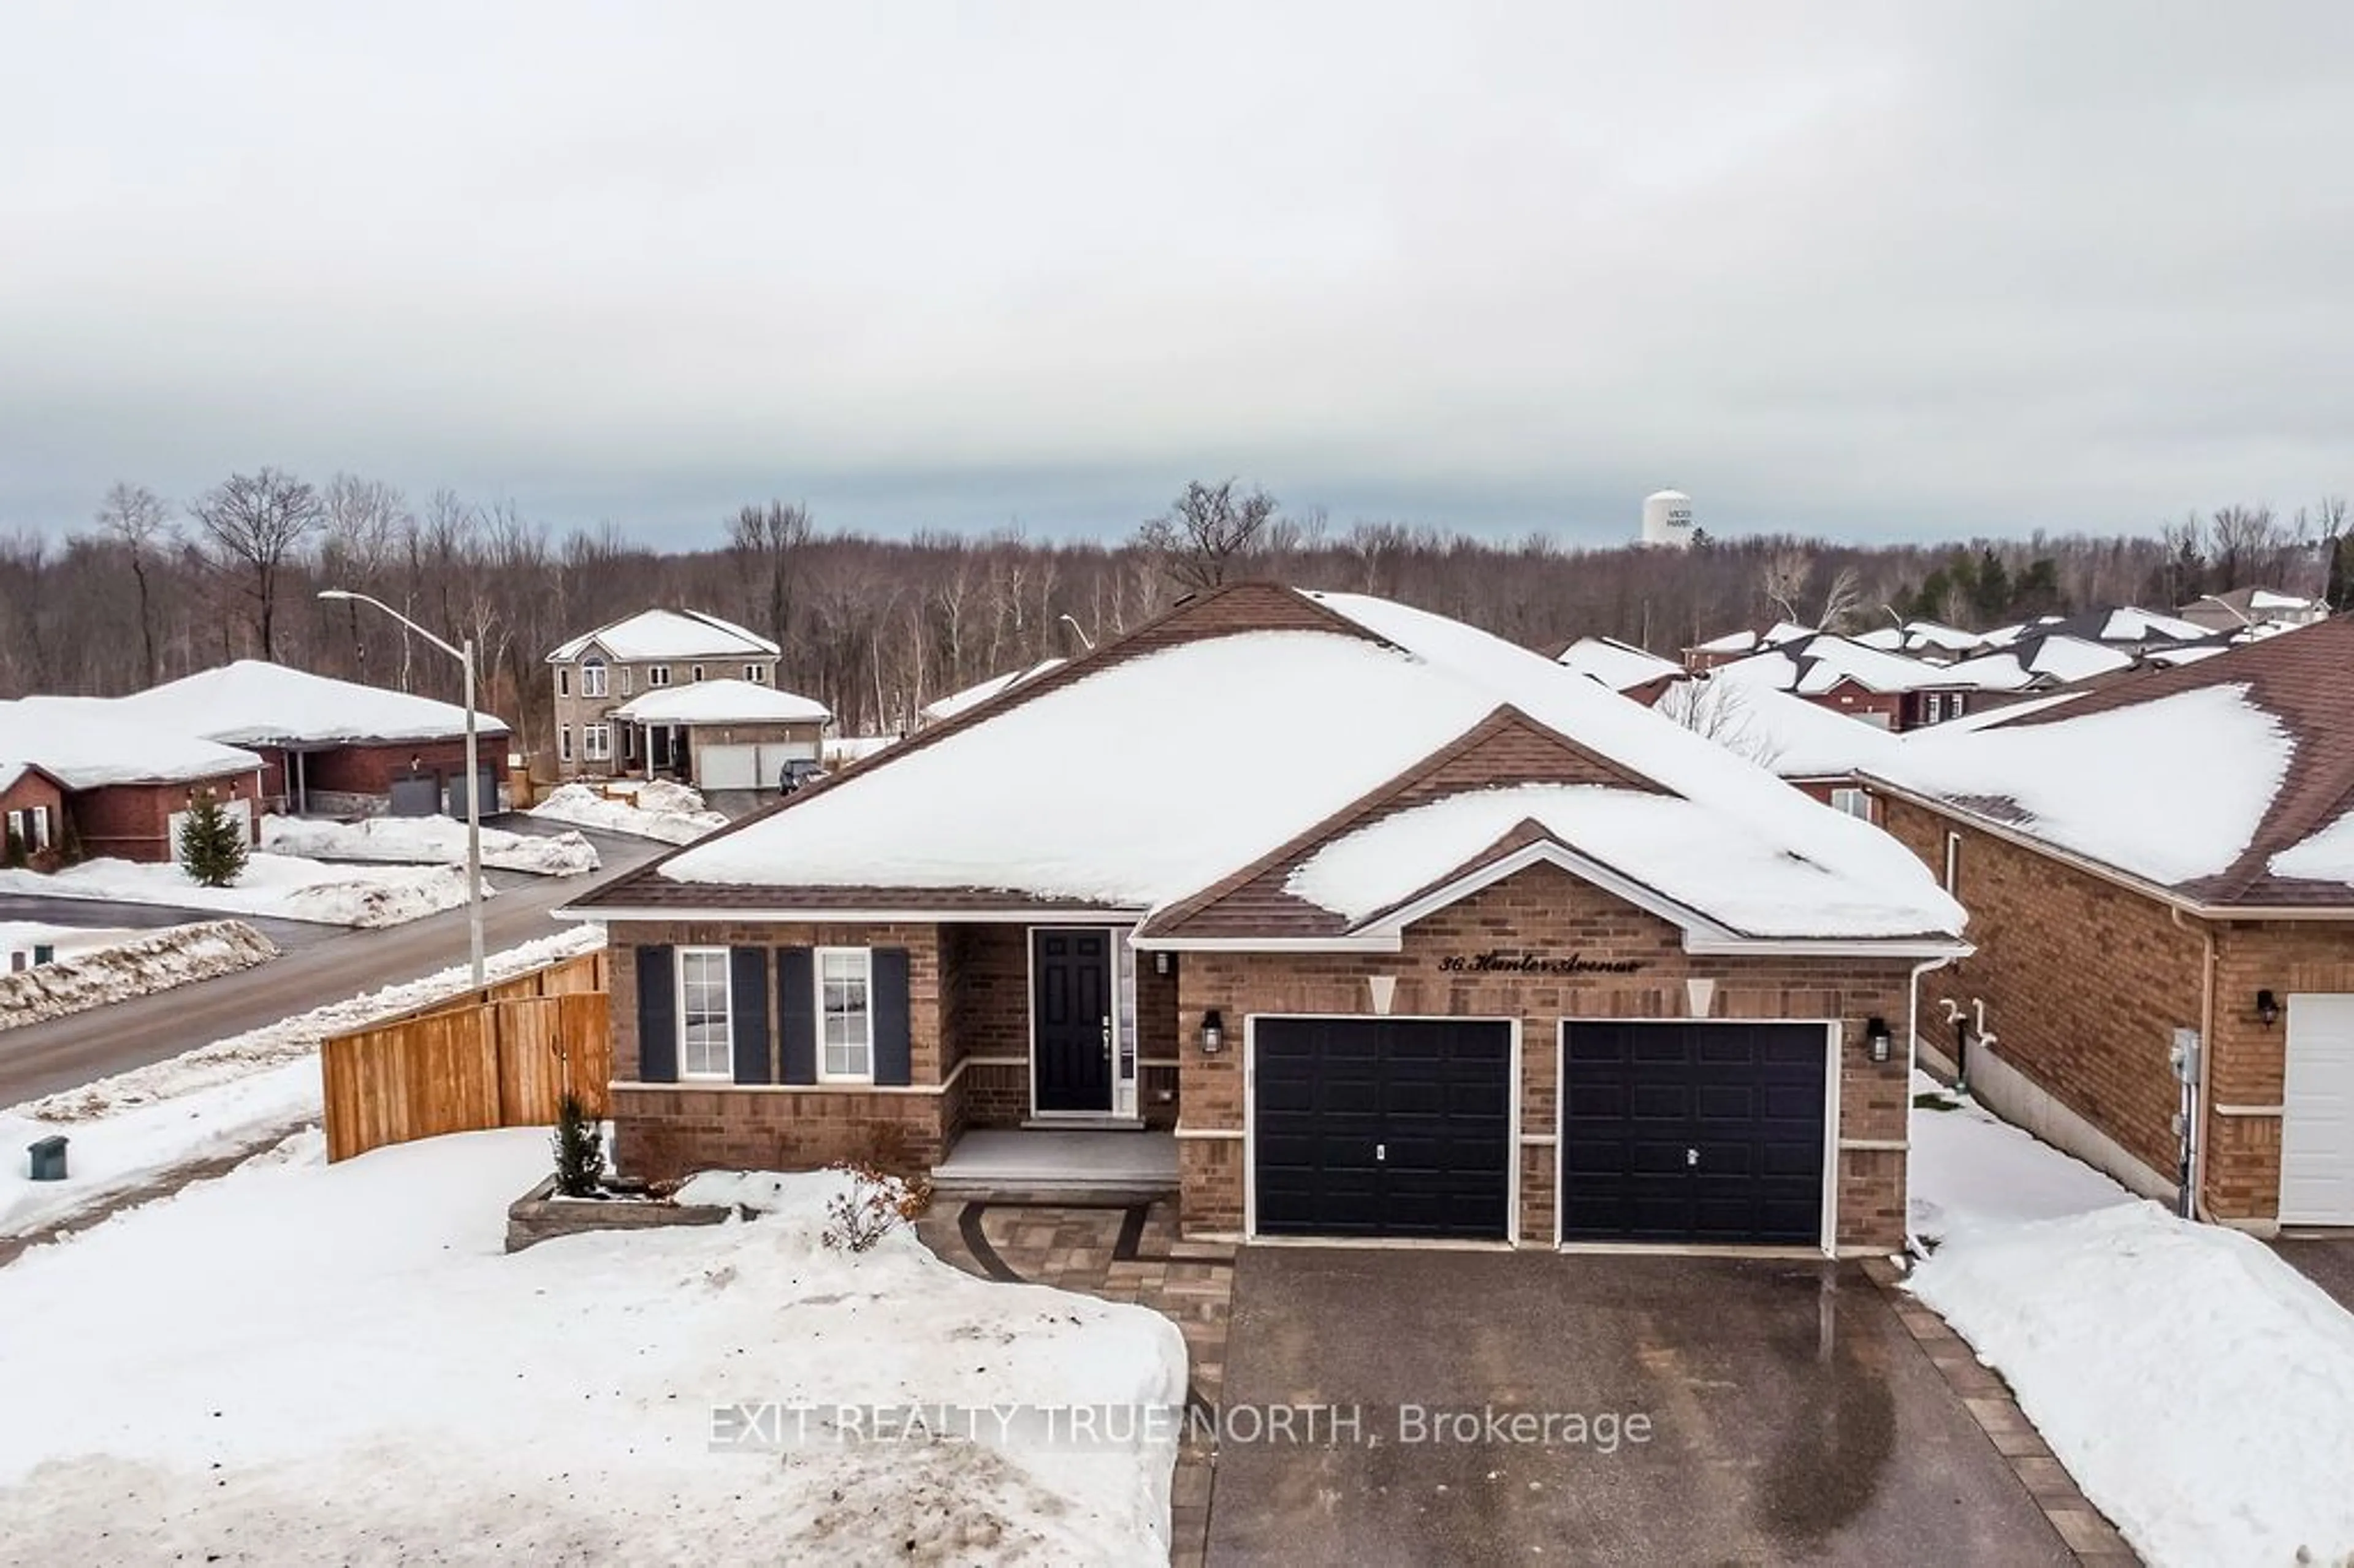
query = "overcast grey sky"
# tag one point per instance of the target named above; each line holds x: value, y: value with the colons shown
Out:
x: 1880, y: 270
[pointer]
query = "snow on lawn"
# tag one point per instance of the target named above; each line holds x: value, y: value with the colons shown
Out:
x: 671, y: 812
x: 214, y: 1100
x: 2199, y: 1390
x: 350, y: 1369
x: 273, y: 884
x: 427, y: 841
x: 136, y: 963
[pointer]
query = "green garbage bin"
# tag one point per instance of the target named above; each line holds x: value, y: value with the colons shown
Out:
x: 48, y: 1158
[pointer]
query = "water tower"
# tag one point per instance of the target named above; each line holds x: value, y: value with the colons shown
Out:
x: 1668, y: 520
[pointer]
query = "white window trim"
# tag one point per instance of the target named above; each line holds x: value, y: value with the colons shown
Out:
x: 1848, y: 797
x: 594, y: 679
x: 726, y: 1072
x: 1953, y: 863
x: 563, y: 683
x: 597, y: 742
x: 865, y: 957
x: 628, y: 680
x: 657, y: 675
x: 757, y: 675
x: 696, y: 672
x: 564, y: 743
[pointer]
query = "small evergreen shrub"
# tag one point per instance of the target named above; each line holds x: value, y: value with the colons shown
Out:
x: 212, y: 843
x: 579, y: 1149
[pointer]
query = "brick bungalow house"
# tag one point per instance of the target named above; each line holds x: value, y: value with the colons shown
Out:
x: 1845, y: 676
x: 333, y: 748
x: 2174, y: 850
x: 32, y: 813
x: 124, y: 785
x: 1392, y: 929
x: 598, y: 671
x: 722, y: 734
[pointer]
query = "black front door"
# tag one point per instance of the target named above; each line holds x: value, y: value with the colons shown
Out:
x: 1383, y: 1127
x: 1070, y: 1020
x: 1699, y: 1131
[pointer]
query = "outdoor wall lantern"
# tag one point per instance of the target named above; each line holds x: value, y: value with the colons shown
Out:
x: 1875, y: 1037
x: 1161, y: 962
x: 1214, y: 1033
x: 2267, y: 1007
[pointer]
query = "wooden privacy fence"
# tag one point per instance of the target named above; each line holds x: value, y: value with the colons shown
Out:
x: 500, y: 1058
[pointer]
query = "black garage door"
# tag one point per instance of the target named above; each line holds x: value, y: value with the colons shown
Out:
x: 1383, y: 1127
x: 1692, y: 1132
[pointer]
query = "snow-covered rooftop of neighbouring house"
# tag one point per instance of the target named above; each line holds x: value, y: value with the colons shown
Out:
x: 2169, y: 657
x: 1787, y: 736
x: 1143, y: 780
x: 2327, y: 856
x: 2131, y: 623
x: 669, y: 634
x: 1745, y: 640
x: 1689, y: 855
x: 85, y: 743
x: 256, y: 703
x: 1820, y: 663
x: 980, y: 692
x: 2172, y: 789
x: 2050, y: 657
x: 728, y: 701
x: 1616, y: 664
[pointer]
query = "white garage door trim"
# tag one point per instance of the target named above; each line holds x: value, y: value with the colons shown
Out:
x: 1832, y: 1032
x: 727, y: 767
x: 1519, y: 1087
x: 2317, y: 1160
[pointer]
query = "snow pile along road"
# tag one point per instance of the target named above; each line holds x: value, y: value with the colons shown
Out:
x: 214, y: 1100
x: 671, y: 812
x: 152, y: 961
x: 427, y: 841
x: 285, y: 886
x: 352, y: 1371
x: 2199, y: 1390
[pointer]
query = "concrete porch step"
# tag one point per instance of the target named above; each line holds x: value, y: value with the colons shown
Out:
x: 1039, y: 1166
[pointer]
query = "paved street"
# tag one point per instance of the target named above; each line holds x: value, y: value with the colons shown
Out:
x: 43, y: 1058
x: 1790, y: 1417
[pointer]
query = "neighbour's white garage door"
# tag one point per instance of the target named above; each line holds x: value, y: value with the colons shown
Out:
x: 727, y: 767
x: 2318, y: 1113
x: 775, y: 754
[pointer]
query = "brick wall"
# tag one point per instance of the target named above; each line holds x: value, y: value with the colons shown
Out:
x: 666, y: 1131
x: 2085, y: 981
x: 1545, y: 910
x: 370, y: 769
x: 2249, y: 1058
x: 37, y: 793
x: 133, y: 821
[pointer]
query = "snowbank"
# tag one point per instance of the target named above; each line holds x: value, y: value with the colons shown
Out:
x: 352, y: 1371
x: 671, y: 812
x: 272, y: 885
x: 149, y: 962
x: 428, y: 841
x: 2199, y: 1390
x: 213, y: 1100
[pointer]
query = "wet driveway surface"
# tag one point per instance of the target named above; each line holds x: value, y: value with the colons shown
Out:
x: 1789, y: 1416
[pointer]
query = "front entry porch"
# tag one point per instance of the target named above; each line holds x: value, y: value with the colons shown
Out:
x: 1005, y: 1165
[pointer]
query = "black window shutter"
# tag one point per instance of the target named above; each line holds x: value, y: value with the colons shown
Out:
x: 892, y: 1046
x: 797, y: 1014
x: 657, y: 1016
x: 748, y: 998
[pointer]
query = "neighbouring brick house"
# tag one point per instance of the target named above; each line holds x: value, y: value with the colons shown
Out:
x: 1397, y: 931
x: 333, y: 748
x: 722, y: 734
x: 599, y: 672
x: 1845, y: 676
x: 125, y: 784
x: 32, y: 813
x: 2172, y: 852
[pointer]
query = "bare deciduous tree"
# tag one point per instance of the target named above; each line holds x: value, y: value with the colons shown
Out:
x: 136, y: 518
x: 1722, y: 713
x: 770, y: 540
x: 255, y: 524
x: 1200, y: 539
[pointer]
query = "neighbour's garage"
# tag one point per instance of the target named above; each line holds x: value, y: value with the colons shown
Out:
x: 2317, y: 1182
x: 1694, y: 1132
x: 749, y: 767
x: 1383, y: 1127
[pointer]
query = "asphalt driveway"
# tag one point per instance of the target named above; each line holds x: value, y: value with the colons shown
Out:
x: 1789, y: 1414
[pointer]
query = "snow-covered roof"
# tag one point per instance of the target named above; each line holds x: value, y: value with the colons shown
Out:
x: 981, y: 692
x: 1099, y: 784
x: 1820, y: 663
x: 2130, y: 623
x: 728, y: 701
x: 2040, y: 659
x: 1618, y: 666
x: 256, y: 703
x: 2209, y: 778
x: 1937, y: 634
x: 2169, y: 657
x: 1787, y: 736
x: 85, y: 743
x: 669, y: 634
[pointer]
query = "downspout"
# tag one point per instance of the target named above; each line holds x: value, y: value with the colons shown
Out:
x: 1912, y: 1019
x: 2197, y: 1130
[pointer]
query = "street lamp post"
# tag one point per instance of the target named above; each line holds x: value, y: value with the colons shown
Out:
x: 1084, y: 638
x: 464, y: 656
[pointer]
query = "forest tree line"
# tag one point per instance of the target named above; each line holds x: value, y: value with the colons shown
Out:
x: 147, y: 589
